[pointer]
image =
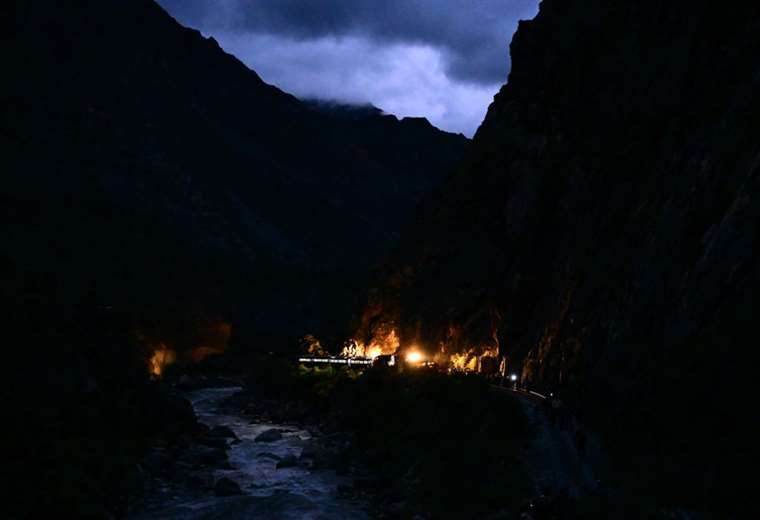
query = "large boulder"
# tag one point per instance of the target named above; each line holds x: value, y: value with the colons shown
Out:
x: 223, y: 431
x: 171, y: 415
x: 226, y: 487
x: 206, y: 456
x: 318, y: 455
x: 288, y: 461
x: 157, y: 462
x: 214, y: 442
x: 269, y: 436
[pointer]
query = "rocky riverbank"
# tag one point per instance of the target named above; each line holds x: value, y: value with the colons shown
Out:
x: 182, y: 471
x: 404, y: 446
x: 413, y: 445
x: 326, y: 448
x: 237, y: 465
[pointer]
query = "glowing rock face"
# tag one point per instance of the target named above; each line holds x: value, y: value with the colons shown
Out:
x: 382, y: 344
x: 162, y: 357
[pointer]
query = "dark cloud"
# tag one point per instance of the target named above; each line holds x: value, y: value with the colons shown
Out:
x: 472, y: 35
x: 441, y: 59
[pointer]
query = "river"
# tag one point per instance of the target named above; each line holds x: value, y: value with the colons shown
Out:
x: 292, y: 493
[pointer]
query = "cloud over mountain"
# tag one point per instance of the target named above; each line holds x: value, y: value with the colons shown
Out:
x: 443, y: 59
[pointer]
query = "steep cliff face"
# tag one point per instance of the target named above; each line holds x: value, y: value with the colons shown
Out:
x: 143, y: 164
x: 604, y: 230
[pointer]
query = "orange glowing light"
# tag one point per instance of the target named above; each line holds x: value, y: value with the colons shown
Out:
x: 162, y: 357
x: 383, y: 343
x: 473, y: 359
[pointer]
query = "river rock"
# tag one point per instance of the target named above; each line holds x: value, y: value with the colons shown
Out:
x: 287, y: 462
x: 186, y: 383
x: 171, y: 414
x: 269, y: 436
x: 346, y: 489
x: 367, y: 483
x: 311, y: 450
x: 157, y: 462
x: 205, y: 455
x: 201, y: 429
x: 223, y: 431
x: 214, y: 442
x: 267, y: 455
x: 399, y: 509
x: 318, y: 455
x: 226, y: 487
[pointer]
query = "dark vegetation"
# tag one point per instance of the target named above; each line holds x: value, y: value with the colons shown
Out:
x: 80, y: 410
x: 426, y: 441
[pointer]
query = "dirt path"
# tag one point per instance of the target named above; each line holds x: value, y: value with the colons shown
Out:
x: 555, y: 463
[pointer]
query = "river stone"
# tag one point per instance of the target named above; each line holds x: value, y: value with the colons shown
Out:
x: 271, y: 456
x: 207, y: 455
x: 317, y: 454
x: 400, y: 509
x: 287, y: 462
x: 185, y: 383
x: 280, y: 506
x: 269, y: 436
x: 157, y: 462
x: 226, y: 487
x: 222, y: 431
x: 214, y: 442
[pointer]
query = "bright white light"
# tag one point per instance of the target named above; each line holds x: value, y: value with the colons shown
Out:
x: 513, y: 377
x: 414, y: 357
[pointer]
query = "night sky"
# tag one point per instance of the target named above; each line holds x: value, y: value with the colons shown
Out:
x: 441, y: 59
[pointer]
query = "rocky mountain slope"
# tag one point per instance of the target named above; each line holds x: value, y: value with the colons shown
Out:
x: 142, y: 164
x: 155, y: 191
x: 604, y: 233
